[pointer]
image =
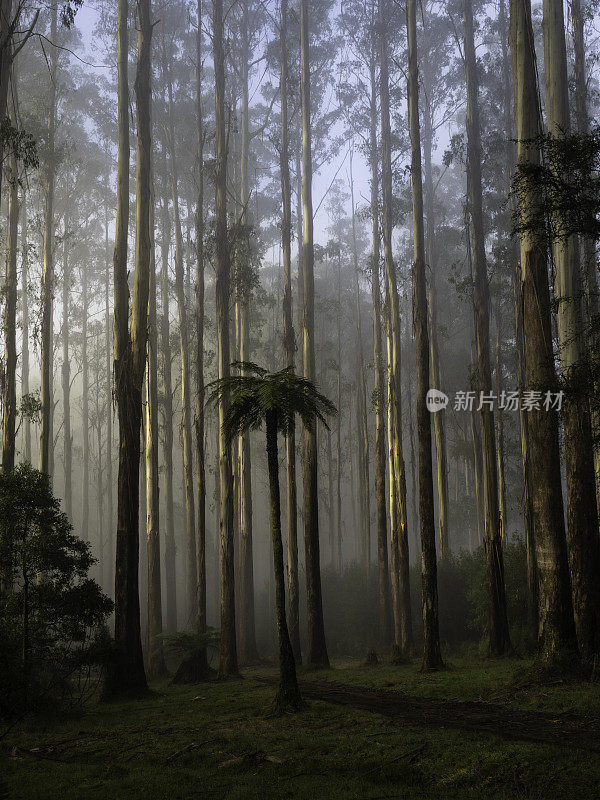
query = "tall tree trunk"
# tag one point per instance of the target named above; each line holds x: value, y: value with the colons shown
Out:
x: 338, y: 489
x: 85, y: 406
x: 100, y: 476
x: 186, y: 384
x: 9, y: 399
x: 383, y: 583
x: 439, y: 418
x: 317, y: 647
x: 167, y: 422
x: 432, y: 658
x: 500, y: 428
x: 156, y: 662
x: 362, y: 397
x: 582, y: 510
x: 247, y: 628
x: 532, y: 581
x: 127, y: 671
x: 289, y: 340
x: 199, y: 421
x: 25, y: 325
x: 108, y: 322
x: 228, y: 661
x: 589, y: 246
x: 499, y: 641
x: 45, y: 456
x: 288, y: 694
x: 399, y: 531
x: 557, y: 639
x: 66, y: 376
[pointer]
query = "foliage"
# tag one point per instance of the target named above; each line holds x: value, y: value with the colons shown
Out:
x: 254, y: 393
x: 51, y: 613
x: 31, y: 406
x: 188, y: 644
x: 350, y: 602
x: 567, y: 181
x: 20, y: 143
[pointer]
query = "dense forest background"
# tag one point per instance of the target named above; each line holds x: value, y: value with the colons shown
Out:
x: 193, y: 192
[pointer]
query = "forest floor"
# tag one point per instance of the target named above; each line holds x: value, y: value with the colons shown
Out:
x: 369, y: 733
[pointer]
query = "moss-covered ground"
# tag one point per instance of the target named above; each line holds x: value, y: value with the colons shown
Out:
x: 216, y: 741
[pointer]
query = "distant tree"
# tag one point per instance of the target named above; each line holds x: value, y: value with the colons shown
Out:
x: 257, y: 396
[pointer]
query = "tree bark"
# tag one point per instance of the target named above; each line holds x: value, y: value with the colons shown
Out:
x: 589, y: 246
x: 108, y: 321
x: 156, y: 662
x: 66, y: 376
x: 45, y: 456
x: 85, y: 409
x: 499, y: 639
x: 362, y: 399
x: 9, y: 399
x: 184, y: 352
x: 289, y: 339
x: 247, y: 628
x: 582, y: 509
x: 383, y: 583
x: 228, y: 661
x: 317, y: 647
x: 25, y: 325
x: 127, y: 671
x: 557, y: 639
x: 398, y: 513
x: 432, y: 658
x: 439, y: 418
x: 167, y: 422
x: 199, y: 421
x: 288, y: 694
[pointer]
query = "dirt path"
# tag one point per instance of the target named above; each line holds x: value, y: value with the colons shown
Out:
x: 562, y: 730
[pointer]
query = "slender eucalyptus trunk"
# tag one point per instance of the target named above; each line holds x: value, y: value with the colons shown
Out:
x: 108, y: 376
x: 589, y: 246
x: 85, y: 409
x: 432, y: 658
x: 156, y: 662
x: 317, y: 647
x: 45, y: 455
x: 199, y: 421
x: 9, y: 395
x: 228, y: 662
x: 499, y: 639
x: 127, y: 671
x: 399, y: 517
x: 439, y: 418
x: 383, y: 583
x: 289, y: 340
x: 582, y: 509
x: 557, y: 639
x: 25, y: 326
x: 500, y: 428
x: 247, y: 627
x: 288, y: 694
x: 66, y: 376
x: 191, y: 594
x: 167, y: 424
x: 532, y: 581
x: 362, y: 399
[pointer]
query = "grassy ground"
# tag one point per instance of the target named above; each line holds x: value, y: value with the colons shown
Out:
x: 138, y: 749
